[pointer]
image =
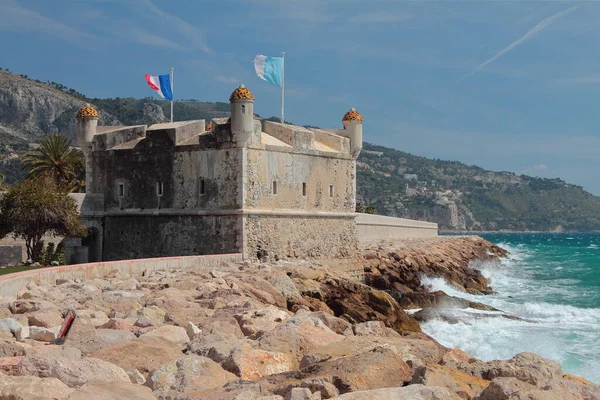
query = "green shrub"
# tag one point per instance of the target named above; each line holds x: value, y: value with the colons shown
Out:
x: 49, y: 256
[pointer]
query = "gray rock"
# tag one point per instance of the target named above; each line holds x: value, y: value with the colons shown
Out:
x: 9, y: 324
x: 216, y: 346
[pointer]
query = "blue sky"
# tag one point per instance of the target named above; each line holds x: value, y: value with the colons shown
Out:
x: 511, y: 86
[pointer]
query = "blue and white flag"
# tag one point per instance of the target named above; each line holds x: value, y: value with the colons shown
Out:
x: 162, y: 85
x: 269, y: 69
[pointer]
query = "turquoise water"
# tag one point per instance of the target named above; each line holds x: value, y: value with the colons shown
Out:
x: 552, y: 282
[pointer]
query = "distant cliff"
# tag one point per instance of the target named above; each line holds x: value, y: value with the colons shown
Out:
x: 455, y: 195
x: 462, y: 197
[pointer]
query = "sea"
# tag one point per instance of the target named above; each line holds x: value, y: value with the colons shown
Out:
x: 551, y: 282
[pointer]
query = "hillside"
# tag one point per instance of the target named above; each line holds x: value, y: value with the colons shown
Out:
x: 455, y: 195
x: 462, y: 197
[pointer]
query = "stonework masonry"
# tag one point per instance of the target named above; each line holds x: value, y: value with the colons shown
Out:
x: 263, y: 189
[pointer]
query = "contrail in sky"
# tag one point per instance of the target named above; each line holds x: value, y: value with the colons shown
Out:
x: 530, y: 34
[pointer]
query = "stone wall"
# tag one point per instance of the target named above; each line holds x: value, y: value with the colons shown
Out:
x: 372, y: 228
x: 282, y: 237
x: 291, y: 170
x: 10, y: 284
x: 144, y: 236
x: 182, y: 171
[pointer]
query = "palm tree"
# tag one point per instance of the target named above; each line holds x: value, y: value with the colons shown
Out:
x: 57, y: 159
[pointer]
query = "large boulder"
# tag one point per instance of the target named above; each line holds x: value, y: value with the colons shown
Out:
x: 515, y: 389
x: 377, y: 368
x: 527, y: 367
x: 251, y: 364
x: 411, y: 392
x: 189, y: 374
x: 32, y: 388
x: 45, y: 318
x: 216, y: 346
x: 297, y: 336
x: 72, y: 372
x: 112, y: 391
x: 461, y: 361
x: 374, y: 328
x: 462, y: 384
x: 255, y: 322
x: 174, y: 334
x: 415, y: 352
x: 134, y: 354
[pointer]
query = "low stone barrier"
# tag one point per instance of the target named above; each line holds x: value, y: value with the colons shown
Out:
x: 10, y: 284
x: 373, y: 228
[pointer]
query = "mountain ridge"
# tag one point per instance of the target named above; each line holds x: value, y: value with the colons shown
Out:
x: 457, y: 196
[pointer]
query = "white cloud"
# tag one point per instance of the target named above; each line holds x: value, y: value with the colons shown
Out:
x: 192, y: 34
x: 529, y: 35
x: 139, y: 35
x: 16, y: 18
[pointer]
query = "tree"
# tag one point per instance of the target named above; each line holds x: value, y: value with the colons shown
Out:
x: 38, y: 207
x: 57, y: 159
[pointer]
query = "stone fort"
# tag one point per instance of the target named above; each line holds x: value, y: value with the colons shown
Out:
x: 235, y: 185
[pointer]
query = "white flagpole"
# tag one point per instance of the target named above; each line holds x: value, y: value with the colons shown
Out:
x: 282, y: 84
x: 172, y: 94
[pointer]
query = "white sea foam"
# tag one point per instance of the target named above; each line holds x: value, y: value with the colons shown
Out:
x: 564, y: 333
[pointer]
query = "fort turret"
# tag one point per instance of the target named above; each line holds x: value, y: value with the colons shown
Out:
x: 87, y: 122
x: 353, y: 122
x: 242, y: 114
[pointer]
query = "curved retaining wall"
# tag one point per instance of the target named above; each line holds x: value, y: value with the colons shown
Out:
x: 376, y: 227
x: 10, y: 284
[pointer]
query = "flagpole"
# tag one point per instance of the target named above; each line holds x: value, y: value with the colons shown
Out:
x: 172, y: 94
x: 282, y: 84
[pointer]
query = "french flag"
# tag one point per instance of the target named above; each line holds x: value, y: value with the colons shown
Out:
x: 162, y: 85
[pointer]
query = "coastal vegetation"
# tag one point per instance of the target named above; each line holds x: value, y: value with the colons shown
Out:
x: 58, y: 160
x: 457, y: 196
x: 37, y: 207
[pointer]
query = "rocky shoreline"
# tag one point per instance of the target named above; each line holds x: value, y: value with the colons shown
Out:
x: 298, y: 330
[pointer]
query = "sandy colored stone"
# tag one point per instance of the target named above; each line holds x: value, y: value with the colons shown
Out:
x: 72, y: 372
x: 32, y: 388
x: 374, y: 328
x: 45, y: 318
x: 253, y: 323
x: 297, y: 336
x: 112, y: 391
x: 189, y: 374
x: 43, y: 334
x: 463, y: 385
x: 145, y: 355
x: 514, y: 389
x: 415, y: 352
x: 373, y: 369
x: 411, y: 392
x: 251, y: 364
x: 527, y: 367
x: 174, y: 334
x: 216, y: 346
